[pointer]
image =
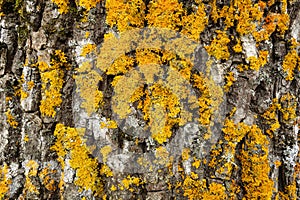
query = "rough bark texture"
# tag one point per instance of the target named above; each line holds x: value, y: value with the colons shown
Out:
x: 44, y: 156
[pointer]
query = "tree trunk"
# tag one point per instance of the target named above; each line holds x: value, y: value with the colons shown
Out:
x: 160, y: 99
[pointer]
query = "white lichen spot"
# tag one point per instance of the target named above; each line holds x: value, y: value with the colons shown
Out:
x: 249, y: 46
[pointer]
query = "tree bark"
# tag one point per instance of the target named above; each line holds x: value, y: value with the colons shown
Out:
x: 149, y: 99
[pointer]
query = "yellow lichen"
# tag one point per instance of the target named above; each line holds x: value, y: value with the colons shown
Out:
x: 4, y: 181
x: 196, y: 163
x: 109, y: 124
x: 32, y: 166
x: 121, y: 65
x: 11, y: 119
x: 229, y: 81
x: 257, y: 63
x: 210, y: 99
x: 272, y: 117
x: 69, y: 142
x: 105, y: 170
x: 218, y: 47
x: 129, y: 181
x: 255, y: 166
x: 87, y: 85
x: 88, y: 4
x: 48, y: 182
x: 238, y: 48
x: 165, y: 14
x: 30, y: 85
x: 185, y: 154
x: 125, y: 14
x: 63, y: 5
x: 52, y: 82
x: 288, y: 108
x: 195, y: 23
x: 87, y: 49
x: 162, y: 155
x: 289, y: 64
x: 197, y: 189
x: 26, y: 138
x: 113, y: 188
x: 105, y: 151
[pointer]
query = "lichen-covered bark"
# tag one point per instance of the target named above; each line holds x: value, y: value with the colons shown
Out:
x: 160, y: 99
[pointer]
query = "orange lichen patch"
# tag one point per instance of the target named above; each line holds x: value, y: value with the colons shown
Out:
x: 185, y: 154
x: 244, y: 12
x: 238, y: 47
x: 113, y: 188
x: 4, y: 181
x: 165, y: 14
x: 205, y: 100
x: 291, y: 191
x: 271, y: 117
x: 249, y: 18
x: 272, y: 22
x: 255, y: 166
x: 106, y: 171
x: 31, y: 172
x: 162, y: 100
x: 45, y: 175
x: 109, y: 124
x: 130, y: 181
x: 161, y: 108
x: 87, y: 49
x: 218, y: 47
x: 148, y: 56
x: 7, y: 99
x: 195, y: 23
x: 229, y: 81
x: 125, y: 14
x: 183, y: 67
x: 215, y: 152
x: 234, y: 132
x: 288, y: 108
x: 196, y: 163
x: 63, y: 5
x: 233, y: 190
x: 122, y: 107
x: 197, y: 189
x: 52, y: 82
x: 88, y: 4
x: 26, y: 138
x: 11, y: 119
x: 290, y: 63
x: 87, y: 81
x: 257, y: 63
x: 33, y: 167
x: 30, y: 85
x: 69, y: 141
x: 121, y: 65
x: 210, y: 99
x: 277, y: 163
x: 248, y: 15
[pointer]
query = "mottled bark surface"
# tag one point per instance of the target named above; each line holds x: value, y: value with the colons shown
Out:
x: 244, y: 147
